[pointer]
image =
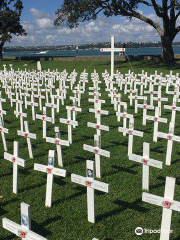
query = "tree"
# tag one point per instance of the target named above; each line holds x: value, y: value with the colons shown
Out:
x: 10, y: 13
x: 72, y: 12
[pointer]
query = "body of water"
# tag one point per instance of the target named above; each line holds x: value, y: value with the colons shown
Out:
x: 129, y: 51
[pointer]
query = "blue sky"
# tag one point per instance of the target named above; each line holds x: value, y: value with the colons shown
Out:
x: 49, y: 6
x: 38, y: 16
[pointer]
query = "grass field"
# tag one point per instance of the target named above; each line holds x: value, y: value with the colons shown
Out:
x: 117, y: 213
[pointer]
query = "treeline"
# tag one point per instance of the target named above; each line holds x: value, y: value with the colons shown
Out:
x: 83, y: 46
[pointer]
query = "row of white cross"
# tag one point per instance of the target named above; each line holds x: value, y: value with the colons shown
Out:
x: 89, y: 181
x: 167, y: 202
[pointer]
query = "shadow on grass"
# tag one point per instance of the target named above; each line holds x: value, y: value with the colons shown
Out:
x: 157, y: 149
x: 81, y: 191
x: 31, y: 187
x: 79, y: 159
x: 123, y: 169
x: 123, y: 206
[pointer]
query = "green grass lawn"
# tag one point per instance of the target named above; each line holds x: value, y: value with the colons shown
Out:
x: 119, y: 212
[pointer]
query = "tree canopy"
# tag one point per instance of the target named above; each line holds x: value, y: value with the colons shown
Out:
x: 10, y: 13
x: 73, y: 12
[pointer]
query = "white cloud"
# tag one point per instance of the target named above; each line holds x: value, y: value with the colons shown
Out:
x: 45, y: 23
x: 39, y: 14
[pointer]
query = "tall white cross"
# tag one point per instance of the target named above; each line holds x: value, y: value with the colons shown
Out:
x: 112, y: 50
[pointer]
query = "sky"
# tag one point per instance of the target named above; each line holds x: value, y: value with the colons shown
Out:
x: 38, y: 17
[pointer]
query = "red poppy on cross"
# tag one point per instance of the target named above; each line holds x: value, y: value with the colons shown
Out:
x: 48, y: 170
x: 95, y: 151
x: 167, y: 204
x: 169, y: 137
x: 144, y: 161
x: 22, y: 234
x: 88, y: 183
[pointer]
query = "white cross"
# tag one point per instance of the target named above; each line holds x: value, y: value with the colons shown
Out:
x: 98, y: 112
x: 16, y: 163
x: 40, y: 97
x: 173, y: 108
x: 146, y: 161
x: 151, y: 93
x: 167, y: 203
x: 24, y: 230
x: 58, y: 97
x: 2, y: 112
x: 160, y: 99
x: 18, y: 102
x: 2, y: 100
x: 156, y: 120
x: 112, y: 50
x: 131, y: 97
x: 131, y: 132
x: 98, y: 152
x: 125, y: 116
x: 91, y: 185
x: 136, y: 98
x: 98, y: 127
x: 59, y: 142
x: 51, y: 171
x: 70, y: 123
x: 28, y: 136
x: 21, y: 115
x: 170, y: 137
x: 33, y: 105
x: 45, y: 119
x: 74, y: 110
x: 52, y: 106
x: 25, y: 95
x: 145, y: 107
x: 113, y: 94
x: 77, y: 94
x: 118, y: 104
x: 3, y: 130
